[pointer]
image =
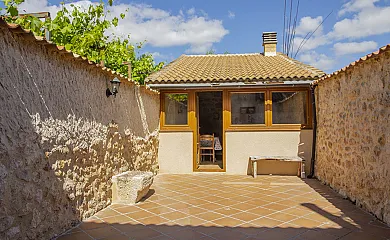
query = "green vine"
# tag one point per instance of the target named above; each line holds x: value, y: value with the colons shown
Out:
x: 83, y: 31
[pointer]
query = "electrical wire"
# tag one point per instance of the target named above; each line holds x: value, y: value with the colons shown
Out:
x: 305, y: 41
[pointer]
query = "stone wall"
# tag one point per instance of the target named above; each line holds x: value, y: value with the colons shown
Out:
x: 62, y: 139
x: 353, y: 148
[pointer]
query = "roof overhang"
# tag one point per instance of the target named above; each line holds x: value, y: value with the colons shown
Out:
x: 229, y: 85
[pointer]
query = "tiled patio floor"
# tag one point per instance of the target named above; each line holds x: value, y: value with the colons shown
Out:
x: 206, y: 206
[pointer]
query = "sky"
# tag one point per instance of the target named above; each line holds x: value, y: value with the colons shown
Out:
x: 171, y: 28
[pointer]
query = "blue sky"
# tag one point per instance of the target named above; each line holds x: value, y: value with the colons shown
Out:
x: 172, y: 28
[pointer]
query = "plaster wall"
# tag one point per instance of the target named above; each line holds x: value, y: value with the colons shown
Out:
x: 62, y: 139
x: 353, y: 146
x: 175, y: 153
x: 241, y: 145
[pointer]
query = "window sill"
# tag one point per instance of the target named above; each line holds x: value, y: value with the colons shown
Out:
x: 285, y: 127
x: 176, y: 129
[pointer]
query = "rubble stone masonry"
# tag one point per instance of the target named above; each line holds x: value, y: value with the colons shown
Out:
x: 353, y: 147
x: 62, y: 139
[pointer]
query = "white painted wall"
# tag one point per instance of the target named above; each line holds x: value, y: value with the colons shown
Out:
x: 241, y: 145
x: 175, y: 154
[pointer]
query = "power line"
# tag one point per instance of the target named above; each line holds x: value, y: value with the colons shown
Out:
x: 291, y: 44
x: 304, y: 41
x: 289, y: 27
x: 284, y: 25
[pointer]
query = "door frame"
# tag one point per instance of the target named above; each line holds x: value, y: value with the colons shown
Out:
x: 194, y: 109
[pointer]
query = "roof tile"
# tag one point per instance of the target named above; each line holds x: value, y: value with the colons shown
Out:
x: 234, y: 67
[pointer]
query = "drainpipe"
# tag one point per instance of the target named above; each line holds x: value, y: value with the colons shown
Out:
x: 313, y: 150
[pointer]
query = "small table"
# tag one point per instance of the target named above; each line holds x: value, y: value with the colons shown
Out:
x: 301, y: 167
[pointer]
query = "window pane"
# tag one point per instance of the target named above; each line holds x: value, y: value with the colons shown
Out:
x: 289, y: 107
x: 176, y: 109
x: 248, y: 108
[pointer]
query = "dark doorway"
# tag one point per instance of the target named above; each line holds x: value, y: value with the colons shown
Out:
x: 209, y: 112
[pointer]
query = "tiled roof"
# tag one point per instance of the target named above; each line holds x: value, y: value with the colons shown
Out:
x: 357, y: 62
x: 27, y: 34
x: 234, y: 68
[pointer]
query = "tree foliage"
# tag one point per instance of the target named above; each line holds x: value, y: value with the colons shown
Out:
x: 84, y: 32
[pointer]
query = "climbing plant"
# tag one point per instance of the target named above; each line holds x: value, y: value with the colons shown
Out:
x: 85, y: 32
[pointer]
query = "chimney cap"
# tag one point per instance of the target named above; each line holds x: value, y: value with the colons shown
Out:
x: 270, y: 37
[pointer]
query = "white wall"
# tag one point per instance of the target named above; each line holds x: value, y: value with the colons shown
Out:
x: 241, y: 145
x: 175, y: 154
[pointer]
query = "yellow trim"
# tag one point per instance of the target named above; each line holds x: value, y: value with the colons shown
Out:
x: 195, y: 134
x: 226, y: 117
x: 173, y: 128
x: 269, y: 126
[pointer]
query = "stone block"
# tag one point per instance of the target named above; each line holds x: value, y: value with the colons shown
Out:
x: 130, y: 187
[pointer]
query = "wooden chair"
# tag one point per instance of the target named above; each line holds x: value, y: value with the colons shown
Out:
x: 206, y: 147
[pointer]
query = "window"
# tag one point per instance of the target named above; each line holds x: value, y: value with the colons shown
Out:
x: 248, y: 108
x: 269, y: 109
x: 176, y: 108
x: 289, y: 107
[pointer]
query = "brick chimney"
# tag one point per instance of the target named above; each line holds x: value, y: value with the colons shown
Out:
x: 269, y: 43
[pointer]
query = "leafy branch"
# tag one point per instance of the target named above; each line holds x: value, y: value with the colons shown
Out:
x: 83, y: 31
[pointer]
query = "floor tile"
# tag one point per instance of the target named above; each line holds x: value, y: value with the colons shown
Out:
x: 179, y: 206
x: 285, y: 207
x: 228, y: 222
x: 284, y: 217
x: 361, y: 236
x: 154, y: 220
x: 166, y: 201
x: 118, y: 237
x: 174, y: 215
x: 126, y: 209
x: 315, y: 235
x: 143, y: 233
x: 185, y: 234
x: 244, y: 206
x: 229, y: 235
x: 193, y: 210
x: 160, y: 210
x: 148, y: 205
x: 281, y: 233
x: 92, y: 224
x: 250, y: 229
x: 104, y: 232
x: 228, y: 211
x: 118, y: 219
x: 106, y: 213
x: 245, y: 216
x: 211, y: 206
x: 266, y: 222
x: 306, y: 223
x: 210, y: 216
x: 75, y: 236
x: 297, y: 211
x: 261, y: 211
x: 190, y: 221
x: 139, y: 214
x: 276, y: 207
x: 127, y: 227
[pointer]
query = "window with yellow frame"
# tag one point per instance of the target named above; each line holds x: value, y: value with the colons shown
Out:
x: 174, y: 111
x: 269, y: 109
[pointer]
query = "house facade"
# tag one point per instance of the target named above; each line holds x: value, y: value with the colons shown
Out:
x: 251, y: 104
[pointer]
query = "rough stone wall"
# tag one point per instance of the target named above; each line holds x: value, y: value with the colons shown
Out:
x: 353, y: 148
x: 62, y: 139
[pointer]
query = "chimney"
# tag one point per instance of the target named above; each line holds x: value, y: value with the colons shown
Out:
x: 269, y: 43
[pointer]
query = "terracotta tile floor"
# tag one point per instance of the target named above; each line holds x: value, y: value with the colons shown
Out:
x: 211, y: 206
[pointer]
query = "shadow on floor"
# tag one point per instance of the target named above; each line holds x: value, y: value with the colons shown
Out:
x: 168, y: 213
